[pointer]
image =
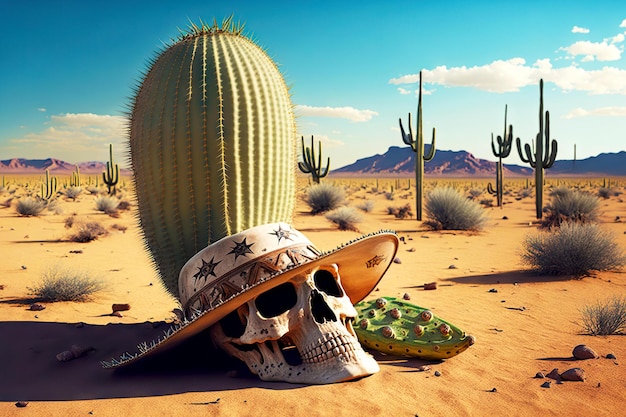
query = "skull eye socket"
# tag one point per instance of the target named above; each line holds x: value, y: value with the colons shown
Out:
x: 276, y: 301
x: 325, y: 281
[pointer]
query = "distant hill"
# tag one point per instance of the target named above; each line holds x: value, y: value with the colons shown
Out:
x: 55, y: 166
x: 400, y: 161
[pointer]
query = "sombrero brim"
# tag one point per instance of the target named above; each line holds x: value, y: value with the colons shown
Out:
x: 362, y: 263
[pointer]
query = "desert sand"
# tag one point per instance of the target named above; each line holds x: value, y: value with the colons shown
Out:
x: 523, y: 324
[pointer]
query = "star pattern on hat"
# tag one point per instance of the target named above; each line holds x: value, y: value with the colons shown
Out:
x: 207, y: 268
x: 376, y: 260
x: 282, y: 234
x: 241, y: 248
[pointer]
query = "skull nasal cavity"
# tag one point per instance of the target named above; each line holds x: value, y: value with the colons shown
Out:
x: 321, y: 311
x: 325, y: 282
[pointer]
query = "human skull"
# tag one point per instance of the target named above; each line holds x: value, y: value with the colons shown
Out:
x: 299, y: 332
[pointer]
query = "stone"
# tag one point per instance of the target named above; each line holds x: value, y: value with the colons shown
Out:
x: 584, y: 352
x: 546, y: 384
x: 37, y: 307
x: 574, y: 374
x: 554, y: 374
x: 120, y: 307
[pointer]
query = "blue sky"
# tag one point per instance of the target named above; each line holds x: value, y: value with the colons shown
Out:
x: 68, y: 69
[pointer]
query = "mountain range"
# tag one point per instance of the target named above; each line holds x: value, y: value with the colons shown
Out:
x: 400, y: 161
x: 397, y: 161
x: 55, y: 166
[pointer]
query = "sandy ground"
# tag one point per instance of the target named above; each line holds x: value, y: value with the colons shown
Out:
x: 523, y: 324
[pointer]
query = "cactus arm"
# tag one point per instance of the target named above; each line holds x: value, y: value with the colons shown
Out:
x: 393, y: 326
x: 407, y: 139
x: 490, y: 189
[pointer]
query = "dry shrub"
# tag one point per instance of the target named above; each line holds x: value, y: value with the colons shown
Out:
x: 324, y: 197
x: 30, y: 206
x: 605, y: 318
x: 59, y: 284
x: 401, y: 212
x: 570, y: 206
x: 87, y: 232
x: 345, y: 218
x: 447, y: 209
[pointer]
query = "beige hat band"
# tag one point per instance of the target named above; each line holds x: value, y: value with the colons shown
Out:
x: 248, y: 275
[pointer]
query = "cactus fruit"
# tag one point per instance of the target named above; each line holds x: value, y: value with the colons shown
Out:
x: 417, y: 145
x: 393, y: 326
x: 212, y: 144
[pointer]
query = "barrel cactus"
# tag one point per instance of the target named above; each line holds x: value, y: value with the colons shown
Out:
x: 212, y: 144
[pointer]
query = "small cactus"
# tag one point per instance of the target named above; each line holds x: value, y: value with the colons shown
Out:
x: 504, y: 149
x: 309, y: 165
x: 112, y: 174
x: 49, y: 187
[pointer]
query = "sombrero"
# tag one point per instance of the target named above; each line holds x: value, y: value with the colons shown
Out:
x: 237, y: 268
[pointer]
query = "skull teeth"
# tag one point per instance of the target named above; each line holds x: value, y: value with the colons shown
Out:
x: 332, y: 345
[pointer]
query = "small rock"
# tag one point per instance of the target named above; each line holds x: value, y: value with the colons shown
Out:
x: 117, y: 314
x: 554, y: 374
x: 120, y: 307
x: 37, y: 307
x: 494, y: 389
x: 539, y: 375
x: 78, y: 350
x: 505, y: 218
x: 574, y: 374
x: 411, y: 250
x: 546, y: 384
x: 65, y: 356
x: 584, y: 352
x: 407, y: 296
x: 437, y: 373
x: 24, y: 267
x: 21, y: 404
x: 452, y: 267
x: 430, y: 286
x: 493, y: 290
x: 397, y: 260
x: 611, y: 356
x: 423, y: 368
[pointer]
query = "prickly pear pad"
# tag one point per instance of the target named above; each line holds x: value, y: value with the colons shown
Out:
x: 395, y: 327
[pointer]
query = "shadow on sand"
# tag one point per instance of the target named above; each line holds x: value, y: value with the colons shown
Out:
x: 31, y: 372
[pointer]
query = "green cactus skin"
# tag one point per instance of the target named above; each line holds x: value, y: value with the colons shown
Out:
x: 112, y: 174
x: 417, y: 145
x: 75, y: 177
x: 537, y: 159
x: 504, y: 149
x: 392, y: 326
x: 212, y: 144
x: 309, y: 165
x: 49, y: 187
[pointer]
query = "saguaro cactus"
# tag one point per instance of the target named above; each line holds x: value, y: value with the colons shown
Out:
x: 75, y: 177
x: 417, y: 145
x: 112, y: 174
x: 212, y: 137
x: 49, y: 187
x: 309, y: 165
x: 538, y: 159
x: 504, y: 149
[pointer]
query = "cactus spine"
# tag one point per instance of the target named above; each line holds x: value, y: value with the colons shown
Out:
x: 417, y: 145
x: 309, y: 165
x: 212, y: 144
x: 538, y: 159
x: 112, y: 174
x: 49, y: 187
x: 504, y: 149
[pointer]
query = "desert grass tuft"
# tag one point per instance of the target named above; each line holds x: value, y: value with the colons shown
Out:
x: 73, y: 192
x: 605, y: 318
x: 401, y: 212
x: 570, y: 206
x: 30, y: 206
x: 60, y: 284
x: 107, y: 204
x: 87, y: 232
x: 574, y: 249
x: 447, y: 209
x: 346, y: 218
x: 324, y: 197
x: 366, y: 206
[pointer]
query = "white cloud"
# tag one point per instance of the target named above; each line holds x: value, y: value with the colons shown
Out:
x: 327, y: 142
x: 42, y: 109
x: 349, y: 113
x: 623, y: 24
x: 511, y: 75
x: 601, y: 111
x: 73, y: 137
x: 602, y: 51
x: 404, y: 91
x: 577, y: 29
